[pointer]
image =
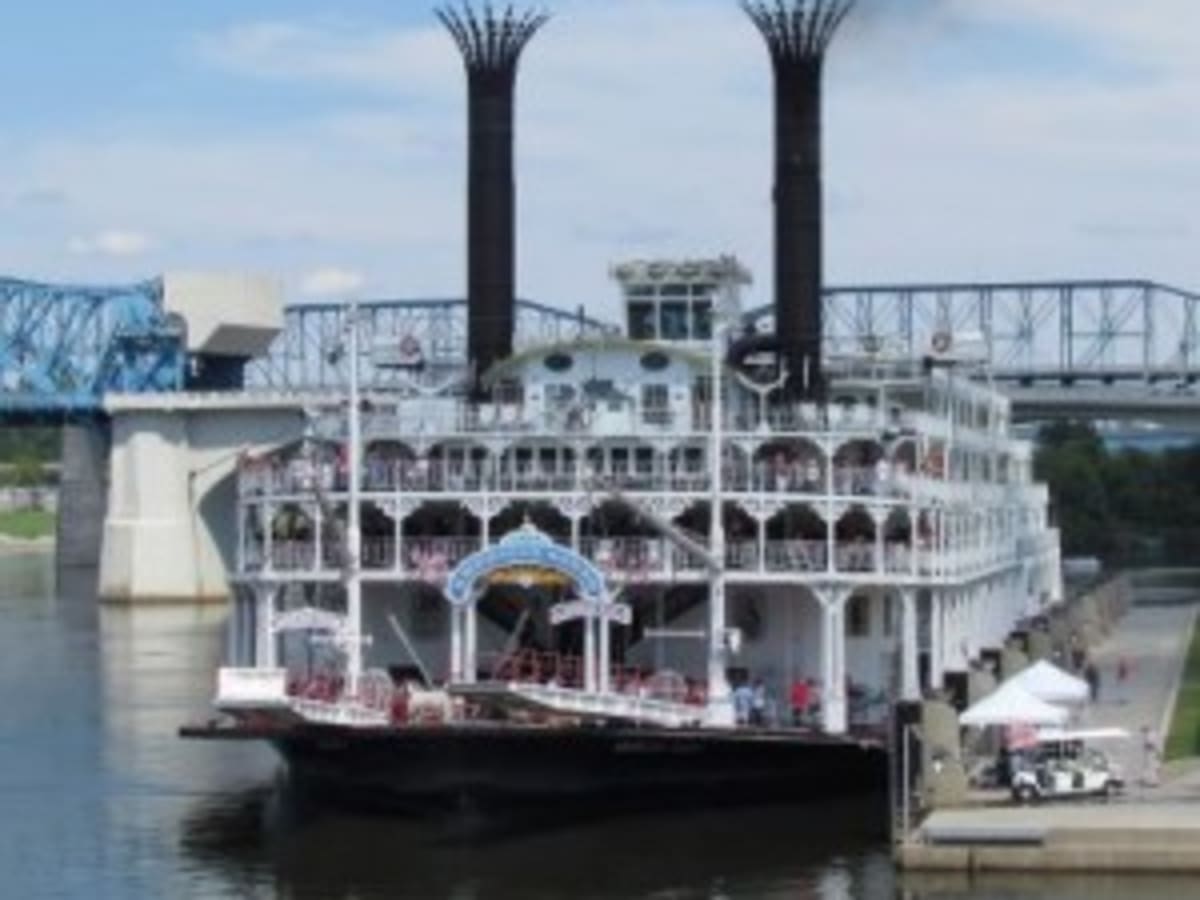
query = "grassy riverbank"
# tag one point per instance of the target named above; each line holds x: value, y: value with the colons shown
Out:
x: 27, y: 524
x: 1185, y: 723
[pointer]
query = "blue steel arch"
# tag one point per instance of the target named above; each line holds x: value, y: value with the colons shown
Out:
x: 62, y: 347
x: 527, y: 546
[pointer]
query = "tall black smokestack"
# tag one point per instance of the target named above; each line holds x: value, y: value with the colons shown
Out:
x: 491, y: 46
x: 798, y: 34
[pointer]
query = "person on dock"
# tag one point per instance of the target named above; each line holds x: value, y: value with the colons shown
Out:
x: 1078, y: 652
x: 1091, y: 674
x: 1124, y: 671
x: 1151, y: 757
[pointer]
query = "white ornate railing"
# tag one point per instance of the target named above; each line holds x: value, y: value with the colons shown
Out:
x: 644, y: 558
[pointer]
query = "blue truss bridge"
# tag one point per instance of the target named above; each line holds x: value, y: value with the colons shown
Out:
x: 63, y: 347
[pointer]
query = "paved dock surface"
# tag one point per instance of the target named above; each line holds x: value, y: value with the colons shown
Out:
x: 1154, y: 641
x: 1150, y: 828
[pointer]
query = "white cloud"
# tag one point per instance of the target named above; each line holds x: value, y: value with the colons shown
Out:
x: 111, y: 242
x: 361, y: 56
x: 331, y: 282
x: 644, y: 128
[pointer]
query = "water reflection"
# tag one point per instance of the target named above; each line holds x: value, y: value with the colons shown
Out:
x: 797, y: 852
x: 100, y: 798
x: 158, y: 671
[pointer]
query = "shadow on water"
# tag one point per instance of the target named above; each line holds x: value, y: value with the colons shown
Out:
x: 310, y: 851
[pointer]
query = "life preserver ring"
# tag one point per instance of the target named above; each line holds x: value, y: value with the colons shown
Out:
x: 941, y: 342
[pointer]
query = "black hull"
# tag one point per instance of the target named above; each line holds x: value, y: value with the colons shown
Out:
x: 486, y: 769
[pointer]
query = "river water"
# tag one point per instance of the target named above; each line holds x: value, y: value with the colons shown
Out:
x: 100, y: 799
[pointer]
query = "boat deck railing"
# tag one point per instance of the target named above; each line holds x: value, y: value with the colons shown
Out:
x: 631, y: 560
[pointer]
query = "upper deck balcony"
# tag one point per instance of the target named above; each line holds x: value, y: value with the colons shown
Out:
x: 298, y: 479
x: 634, y: 560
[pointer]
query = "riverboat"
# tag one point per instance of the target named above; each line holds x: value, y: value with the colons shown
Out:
x: 634, y: 569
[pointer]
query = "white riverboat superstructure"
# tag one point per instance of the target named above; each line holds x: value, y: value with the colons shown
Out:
x: 630, y: 543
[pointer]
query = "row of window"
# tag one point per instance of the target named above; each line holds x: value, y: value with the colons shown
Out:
x: 671, y: 320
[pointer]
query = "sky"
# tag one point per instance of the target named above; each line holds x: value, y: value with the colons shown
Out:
x: 322, y: 143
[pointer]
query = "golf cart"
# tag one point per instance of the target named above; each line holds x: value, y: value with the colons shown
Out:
x: 1059, y: 764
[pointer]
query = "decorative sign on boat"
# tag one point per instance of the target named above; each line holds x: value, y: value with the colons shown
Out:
x: 529, y: 576
x: 527, y: 547
x: 621, y: 613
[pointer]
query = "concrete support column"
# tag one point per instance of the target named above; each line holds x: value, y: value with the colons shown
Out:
x: 981, y: 629
x: 955, y: 657
x: 82, y: 495
x: 265, y: 655
x: 970, y: 634
x: 171, y: 526
x: 978, y: 620
x: 150, y: 545
x: 910, y: 686
x: 470, y: 668
x: 233, y: 632
x: 589, y: 654
x: 240, y: 550
x: 604, y: 661
x: 997, y: 614
x: 762, y: 544
x: 964, y: 629
x: 266, y: 512
x: 833, y: 661
x: 719, y: 699
x: 830, y: 533
x: 971, y: 624
x: 1006, y: 614
x: 954, y: 648
x: 941, y: 542
x: 456, y: 643
x: 249, y: 628
x: 318, y: 562
x: 398, y: 539
x: 937, y: 633
x: 879, y: 517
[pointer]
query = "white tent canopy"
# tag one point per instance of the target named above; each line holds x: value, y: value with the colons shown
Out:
x: 1011, y: 704
x: 1048, y: 682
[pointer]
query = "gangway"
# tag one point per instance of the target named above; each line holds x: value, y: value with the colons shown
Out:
x: 580, y: 704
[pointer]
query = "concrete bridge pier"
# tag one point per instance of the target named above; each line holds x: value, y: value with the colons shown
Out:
x: 83, y: 494
x: 170, y: 534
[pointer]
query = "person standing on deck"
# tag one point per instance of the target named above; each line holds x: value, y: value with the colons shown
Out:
x: 800, y: 698
x: 743, y: 703
x: 758, y: 704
